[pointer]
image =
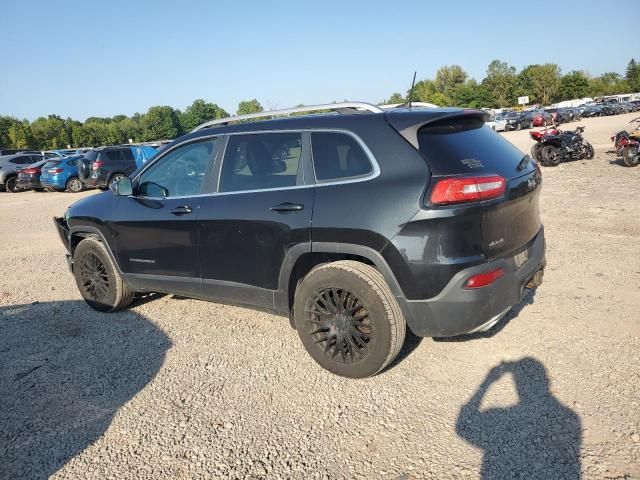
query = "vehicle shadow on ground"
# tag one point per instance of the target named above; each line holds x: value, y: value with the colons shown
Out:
x: 65, y: 370
x: 536, y: 438
x: 527, y: 300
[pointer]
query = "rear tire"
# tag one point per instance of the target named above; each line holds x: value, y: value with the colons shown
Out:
x: 116, y: 177
x: 11, y: 184
x: 631, y: 156
x: 74, y: 185
x: 550, y: 156
x: 97, y: 277
x: 348, y: 319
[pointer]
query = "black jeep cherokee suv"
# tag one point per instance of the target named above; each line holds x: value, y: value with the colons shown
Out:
x: 354, y: 225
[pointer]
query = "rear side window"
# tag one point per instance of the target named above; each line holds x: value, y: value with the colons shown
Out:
x: 113, y: 155
x: 338, y: 155
x: 261, y: 161
x: 465, y: 146
x: 127, y: 154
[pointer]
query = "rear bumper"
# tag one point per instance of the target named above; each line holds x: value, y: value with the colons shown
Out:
x: 28, y: 184
x: 457, y: 310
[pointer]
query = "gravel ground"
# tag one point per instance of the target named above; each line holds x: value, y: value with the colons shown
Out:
x: 179, y: 388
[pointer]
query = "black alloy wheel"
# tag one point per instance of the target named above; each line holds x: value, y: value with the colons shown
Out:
x: 339, y: 324
x: 95, y: 279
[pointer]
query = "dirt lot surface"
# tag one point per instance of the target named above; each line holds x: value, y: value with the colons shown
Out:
x: 178, y: 388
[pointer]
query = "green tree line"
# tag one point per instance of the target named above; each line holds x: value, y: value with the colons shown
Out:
x: 452, y: 86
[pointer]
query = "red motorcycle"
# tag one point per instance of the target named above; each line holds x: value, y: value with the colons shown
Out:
x: 628, y: 145
x: 538, y: 136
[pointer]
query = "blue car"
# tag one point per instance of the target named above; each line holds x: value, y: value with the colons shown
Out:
x: 62, y: 174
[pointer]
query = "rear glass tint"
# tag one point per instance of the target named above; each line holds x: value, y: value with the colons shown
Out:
x: 465, y: 146
x: 127, y: 154
x: 338, y: 155
x: 91, y: 156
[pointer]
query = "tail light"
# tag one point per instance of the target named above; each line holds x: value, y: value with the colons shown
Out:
x: 55, y: 170
x: 467, y: 189
x: 484, y: 279
x: 97, y: 164
x: 29, y: 170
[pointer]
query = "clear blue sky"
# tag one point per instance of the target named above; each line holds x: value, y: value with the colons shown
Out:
x: 101, y: 58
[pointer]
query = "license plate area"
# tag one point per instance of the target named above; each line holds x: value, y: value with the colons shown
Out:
x: 521, y: 258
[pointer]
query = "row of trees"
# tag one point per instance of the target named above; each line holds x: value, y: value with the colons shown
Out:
x: 502, y: 85
x: 160, y: 122
x: 451, y: 87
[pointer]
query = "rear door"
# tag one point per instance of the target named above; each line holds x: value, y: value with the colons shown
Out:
x: 155, y: 229
x: 462, y: 146
x: 261, y: 210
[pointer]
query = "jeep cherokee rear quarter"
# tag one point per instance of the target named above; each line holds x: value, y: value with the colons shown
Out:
x: 353, y: 225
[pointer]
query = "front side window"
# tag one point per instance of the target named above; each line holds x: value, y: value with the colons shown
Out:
x: 338, y: 155
x: 180, y: 173
x: 261, y: 161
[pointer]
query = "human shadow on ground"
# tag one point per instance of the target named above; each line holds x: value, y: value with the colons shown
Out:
x: 65, y: 370
x: 538, y: 438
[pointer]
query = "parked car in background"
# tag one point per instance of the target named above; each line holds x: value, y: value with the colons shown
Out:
x: 497, y: 123
x: 268, y: 214
x: 102, y: 166
x: 574, y: 113
x: 542, y: 118
x: 517, y: 121
x: 62, y: 174
x: 29, y: 177
x: 610, y: 108
x: 9, y: 166
x: 560, y: 115
x: 592, y: 110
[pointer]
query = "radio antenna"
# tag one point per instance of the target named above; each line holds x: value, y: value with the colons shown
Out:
x: 413, y: 84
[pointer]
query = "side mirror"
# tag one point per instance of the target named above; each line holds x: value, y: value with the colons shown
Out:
x: 123, y: 187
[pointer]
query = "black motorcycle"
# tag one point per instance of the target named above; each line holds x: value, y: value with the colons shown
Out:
x: 566, y: 145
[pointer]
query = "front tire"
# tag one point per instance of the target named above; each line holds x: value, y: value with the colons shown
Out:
x: 588, y: 150
x: 97, y: 277
x: 631, y: 156
x: 348, y: 320
x: 518, y: 126
x: 535, y: 151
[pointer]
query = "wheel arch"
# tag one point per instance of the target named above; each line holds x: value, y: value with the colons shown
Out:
x: 303, y: 258
x: 77, y: 234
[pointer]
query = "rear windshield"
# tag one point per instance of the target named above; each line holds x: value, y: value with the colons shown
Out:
x: 51, y: 164
x: 464, y: 146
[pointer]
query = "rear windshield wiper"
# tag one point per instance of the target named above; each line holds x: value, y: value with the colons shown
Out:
x: 523, y: 163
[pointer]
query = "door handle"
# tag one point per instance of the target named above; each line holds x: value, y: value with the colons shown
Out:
x: 183, y: 210
x: 287, y: 207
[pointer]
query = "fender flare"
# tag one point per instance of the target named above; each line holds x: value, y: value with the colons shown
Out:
x: 281, y: 298
x: 91, y: 231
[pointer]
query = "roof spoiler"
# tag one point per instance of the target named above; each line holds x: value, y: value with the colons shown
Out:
x: 407, y: 123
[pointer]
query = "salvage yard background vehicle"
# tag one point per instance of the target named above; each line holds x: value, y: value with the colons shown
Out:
x: 627, y: 144
x: 29, y: 177
x: 565, y: 145
x: 102, y: 166
x: 247, y: 213
x: 9, y: 166
x: 62, y: 174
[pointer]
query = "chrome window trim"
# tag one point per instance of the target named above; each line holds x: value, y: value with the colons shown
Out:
x: 375, y: 172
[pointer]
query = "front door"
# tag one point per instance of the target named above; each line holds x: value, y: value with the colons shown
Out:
x: 155, y: 230
x: 262, y: 209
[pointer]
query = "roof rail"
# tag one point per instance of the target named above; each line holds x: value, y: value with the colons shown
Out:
x: 342, y: 107
x: 389, y: 106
